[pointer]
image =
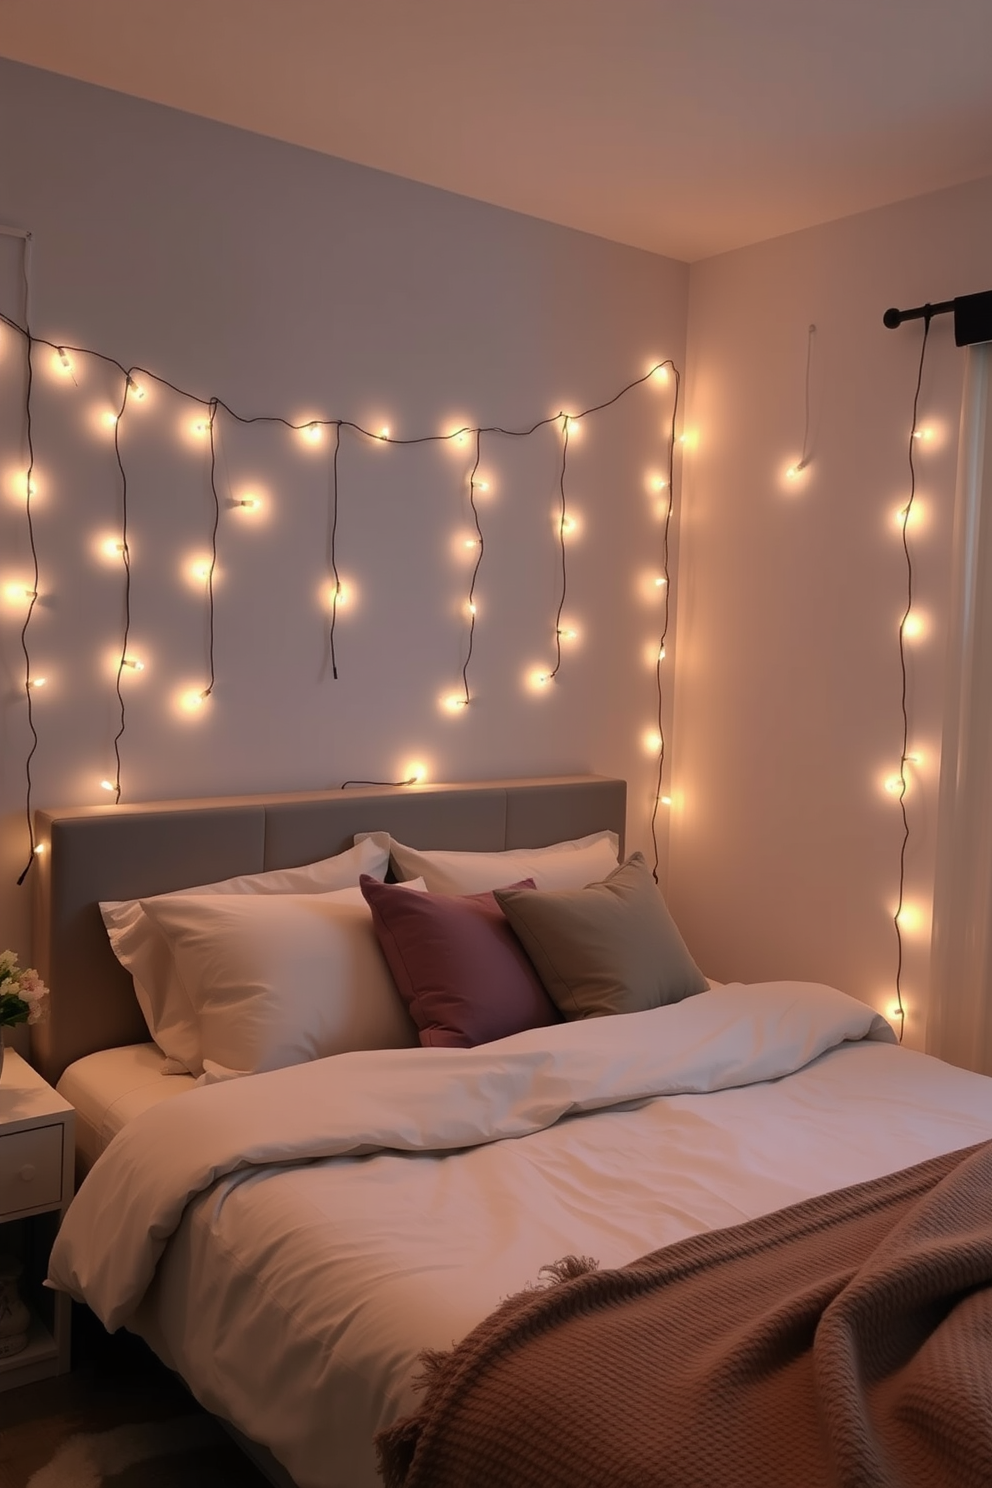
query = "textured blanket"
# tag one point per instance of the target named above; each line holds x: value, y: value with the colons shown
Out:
x: 845, y: 1342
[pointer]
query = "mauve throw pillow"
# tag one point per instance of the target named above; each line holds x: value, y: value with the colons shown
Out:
x: 457, y: 965
x: 611, y: 947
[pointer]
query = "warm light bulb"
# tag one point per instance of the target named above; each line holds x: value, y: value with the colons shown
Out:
x: 192, y: 700
x: 132, y: 663
x: 415, y: 771
x: 660, y: 374
x: 384, y: 432
x: 201, y: 426
x: 660, y: 582
x: 926, y: 433
x: 108, y: 419
x: 908, y: 918
x: 39, y: 849
x: 17, y: 593
x: 311, y: 432
x: 471, y: 607
x: 111, y: 547
x: 471, y: 542
x: 107, y: 785
x: 567, y: 633
x: 571, y: 424
x: 538, y: 679
x: 658, y: 483
x: 455, y: 702
x: 64, y: 359
x: 136, y: 390
x: 913, y: 627
x: 248, y: 503
x: 566, y: 525
x: 661, y: 653
x: 665, y: 800
x: 482, y: 485
x: 38, y: 682
x: 894, y: 785
x: 652, y: 741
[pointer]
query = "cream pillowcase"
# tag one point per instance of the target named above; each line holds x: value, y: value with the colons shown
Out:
x: 139, y: 945
x: 563, y: 865
x: 283, y: 979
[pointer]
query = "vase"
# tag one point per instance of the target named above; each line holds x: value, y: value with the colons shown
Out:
x: 15, y: 1320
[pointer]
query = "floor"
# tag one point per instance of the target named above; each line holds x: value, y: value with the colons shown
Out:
x: 115, y: 1381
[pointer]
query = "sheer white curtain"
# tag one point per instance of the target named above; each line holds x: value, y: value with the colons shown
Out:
x: 959, y: 1024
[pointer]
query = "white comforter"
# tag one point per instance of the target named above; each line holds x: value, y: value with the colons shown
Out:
x: 322, y: 1224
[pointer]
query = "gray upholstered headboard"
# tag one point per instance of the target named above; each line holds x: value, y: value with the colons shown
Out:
x: 127, y: 852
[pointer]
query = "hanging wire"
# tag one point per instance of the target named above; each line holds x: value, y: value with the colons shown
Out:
x: 129, y: 386
x: 480, y: 549
x: 211, y: 606
x: 666, y: 612
x: 333, y: 555
x: 907, y: 513
x: 33, y: 596
x: 562, y: 518
x: 806, y: 454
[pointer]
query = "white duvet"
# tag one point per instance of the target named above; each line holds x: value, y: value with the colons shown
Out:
x: 292, y: 1240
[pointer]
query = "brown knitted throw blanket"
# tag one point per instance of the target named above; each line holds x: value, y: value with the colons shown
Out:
x: 845, y: 1342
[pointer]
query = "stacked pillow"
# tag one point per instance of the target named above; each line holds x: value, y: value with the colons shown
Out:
x: 141, y: 945
x: 274, y: 969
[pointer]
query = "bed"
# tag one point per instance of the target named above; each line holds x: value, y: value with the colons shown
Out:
x: 292, y: 1241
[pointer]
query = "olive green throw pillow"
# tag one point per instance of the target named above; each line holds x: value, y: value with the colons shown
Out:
x: 611, y: 947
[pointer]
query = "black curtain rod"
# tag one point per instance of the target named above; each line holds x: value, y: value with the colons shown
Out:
x: 972, y: 317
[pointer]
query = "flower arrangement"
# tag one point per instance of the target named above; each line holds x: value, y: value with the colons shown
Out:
x: 22, y: 993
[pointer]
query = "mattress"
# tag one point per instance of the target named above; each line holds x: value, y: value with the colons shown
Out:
x: 109, y: 1088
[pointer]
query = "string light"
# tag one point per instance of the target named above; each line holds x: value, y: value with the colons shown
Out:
x: 902, y: 917
x: 136, y: 390
x: 132, y: 664
x: 795, y: 471
x: 37, y: 682
x: 107, y: 785
x: 663, y: 589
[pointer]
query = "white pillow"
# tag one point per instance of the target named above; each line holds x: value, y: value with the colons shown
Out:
x: 283, y: 979
x: 563, y: 865
x: 138, y: 943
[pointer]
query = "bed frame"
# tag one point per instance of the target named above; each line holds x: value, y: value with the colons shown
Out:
x: 126, y: 852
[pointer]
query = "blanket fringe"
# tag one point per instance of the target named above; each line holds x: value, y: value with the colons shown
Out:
x: 396, y: 1445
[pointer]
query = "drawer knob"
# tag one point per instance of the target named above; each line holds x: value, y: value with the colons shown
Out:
x: 28, y: 1171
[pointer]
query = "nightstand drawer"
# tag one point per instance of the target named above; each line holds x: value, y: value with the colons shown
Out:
x: 30, y: 1169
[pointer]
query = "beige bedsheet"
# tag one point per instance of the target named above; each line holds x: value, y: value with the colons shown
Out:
x: 109, y: 1088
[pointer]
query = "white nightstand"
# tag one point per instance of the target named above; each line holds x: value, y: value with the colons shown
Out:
x: 36, y: 1178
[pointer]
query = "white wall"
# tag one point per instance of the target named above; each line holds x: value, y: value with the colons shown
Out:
x: 284, y: 281
x: 785, y: 846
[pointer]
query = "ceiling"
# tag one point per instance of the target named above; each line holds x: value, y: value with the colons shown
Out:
x: 686, y: 127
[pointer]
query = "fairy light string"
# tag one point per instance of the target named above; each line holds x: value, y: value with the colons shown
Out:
x: 562, y: 520
x: 32, y: 594
x: 333, y: 550
x: 125, y: 551
x: 906, y: 516
x: 480, y: 550
x: 665, y: 617
x: 135, y: 378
